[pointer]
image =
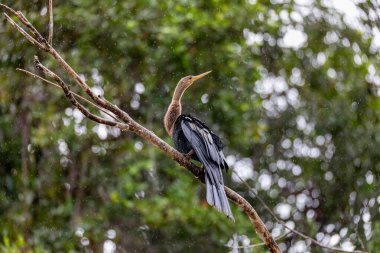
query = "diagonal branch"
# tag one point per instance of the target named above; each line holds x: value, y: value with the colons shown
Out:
x: 257, y: 244
x: 75, y: 94
x: 44, y: 45
x: 357, y: 227
x: 134, y: 127
x: 72, y: 99
x: 23, y: 32
x: 249, y: 188
x: 51, y: 22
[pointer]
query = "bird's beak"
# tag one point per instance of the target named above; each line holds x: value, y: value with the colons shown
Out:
x: 200, y: 76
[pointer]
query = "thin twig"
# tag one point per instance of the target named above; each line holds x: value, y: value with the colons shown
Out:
x: 257, y: 244
x: 23, y: 32
x: 357, y: 225
x: 75, y: 94
x: 289, y: 228
x: 51, y: 23
x: 72, y: 99
x: 44, y: 45
x: 32, y: 29
x: 9, y: 9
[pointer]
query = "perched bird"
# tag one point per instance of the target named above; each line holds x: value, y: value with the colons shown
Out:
x: 194, y: 139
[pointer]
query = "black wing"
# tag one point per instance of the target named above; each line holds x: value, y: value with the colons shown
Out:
x: 208, y: 148
x: 216, y: 138
x: 184, y: 146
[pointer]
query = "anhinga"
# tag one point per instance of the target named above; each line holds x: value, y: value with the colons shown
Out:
x: 194, y: 139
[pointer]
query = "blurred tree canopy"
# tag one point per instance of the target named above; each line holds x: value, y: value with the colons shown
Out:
x: 294, y: 93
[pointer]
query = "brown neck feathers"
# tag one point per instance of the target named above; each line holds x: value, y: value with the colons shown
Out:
x: 175, y: 108
x: 171, y: 116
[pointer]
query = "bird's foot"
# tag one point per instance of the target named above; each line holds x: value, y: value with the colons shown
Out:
x: 188, y: 155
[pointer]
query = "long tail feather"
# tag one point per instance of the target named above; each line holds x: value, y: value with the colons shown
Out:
x: 216, y: 196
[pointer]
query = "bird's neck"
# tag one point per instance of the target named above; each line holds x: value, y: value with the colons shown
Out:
x: 173, y: 112
x: 174, y: 109
x: 178, y: 92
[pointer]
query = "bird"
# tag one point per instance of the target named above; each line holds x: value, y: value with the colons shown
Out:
x: 196, y: 141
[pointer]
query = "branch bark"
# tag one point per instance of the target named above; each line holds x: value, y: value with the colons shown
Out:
x: 51, y: 23
x: 249, y: 188
x: 73, y: 100
x: 41, y: 43
x: 76, y: 95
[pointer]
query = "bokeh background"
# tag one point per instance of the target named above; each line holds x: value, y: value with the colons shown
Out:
x: 294, y: 94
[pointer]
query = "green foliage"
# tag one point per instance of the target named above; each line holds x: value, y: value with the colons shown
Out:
x: 294, y: 94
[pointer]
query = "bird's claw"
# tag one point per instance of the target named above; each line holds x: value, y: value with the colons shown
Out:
x: 188, y: 155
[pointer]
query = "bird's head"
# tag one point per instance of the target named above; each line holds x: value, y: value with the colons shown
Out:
x: 189, y: 80
x: 175, y: 108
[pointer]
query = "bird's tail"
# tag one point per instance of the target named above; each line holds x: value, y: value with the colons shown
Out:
x: 215, y: 194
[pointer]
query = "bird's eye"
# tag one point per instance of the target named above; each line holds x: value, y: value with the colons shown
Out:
x: 190, y: 77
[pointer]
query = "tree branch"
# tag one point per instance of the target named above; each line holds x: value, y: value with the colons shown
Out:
x: 75, y: 94
x: 134, y: 127
x: 257, y: 244
x: 357, y: 228
x: 23, y: 32
x: 72, y: 99
x: 51, y: 23
x: 289, y: 228
x: 44, y: 45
